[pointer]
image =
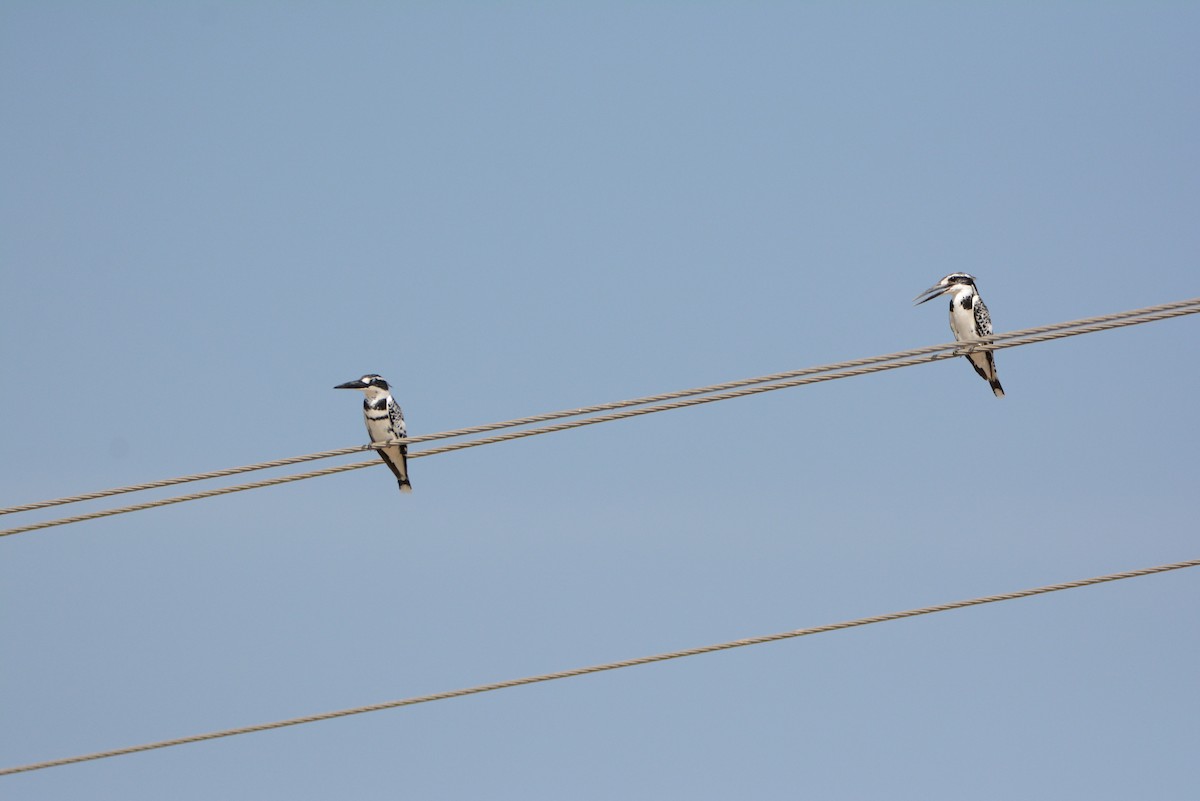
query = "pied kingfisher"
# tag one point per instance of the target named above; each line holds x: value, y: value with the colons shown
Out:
x: 385, y: 422
x: 969, y: 319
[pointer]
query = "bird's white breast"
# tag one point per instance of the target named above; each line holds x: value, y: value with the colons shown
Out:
x: 380, y: 430
x: 962, y: 321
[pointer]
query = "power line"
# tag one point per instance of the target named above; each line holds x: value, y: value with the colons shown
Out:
x: 545, y: 417
x: 583, y: 671
x: 806, y: 376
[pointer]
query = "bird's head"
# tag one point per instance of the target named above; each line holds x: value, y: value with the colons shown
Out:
x: 954, y: 282
x: 373, y: 385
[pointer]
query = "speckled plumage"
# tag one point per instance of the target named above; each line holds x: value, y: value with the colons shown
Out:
x: 969, y: 319
x: 385, y: 421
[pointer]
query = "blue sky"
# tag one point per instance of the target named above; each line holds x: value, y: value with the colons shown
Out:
x: 214, y: 212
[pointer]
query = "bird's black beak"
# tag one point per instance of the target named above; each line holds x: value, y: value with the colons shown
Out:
x: 356, y: 384
x: 929, y: 294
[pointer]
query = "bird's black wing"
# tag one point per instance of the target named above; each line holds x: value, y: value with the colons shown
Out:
x: 983, y: 320
x: 396, y: 417
x: 397, y: 456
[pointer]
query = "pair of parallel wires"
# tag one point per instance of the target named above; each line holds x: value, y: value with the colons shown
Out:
x: 599, y: 414
x: 605, y: 412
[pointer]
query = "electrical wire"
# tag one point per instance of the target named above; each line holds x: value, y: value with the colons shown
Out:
x: 688, y: 398
x: 583, y: 671
x: 540, y: 418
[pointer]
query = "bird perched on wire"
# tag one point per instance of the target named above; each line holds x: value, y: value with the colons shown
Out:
x: 969, y: 319
x: 385, y: 422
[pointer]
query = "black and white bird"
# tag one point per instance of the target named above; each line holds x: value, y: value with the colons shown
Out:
x: 385, y: 422
x: 969, y: 319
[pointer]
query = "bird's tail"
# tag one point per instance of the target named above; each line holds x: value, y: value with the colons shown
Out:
x: 397, y: 460
x: 996, y: 388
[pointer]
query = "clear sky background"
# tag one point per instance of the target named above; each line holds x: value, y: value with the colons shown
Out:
x: 214, y: 212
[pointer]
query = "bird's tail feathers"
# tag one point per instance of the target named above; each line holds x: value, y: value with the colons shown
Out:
x: 406, y: 487
x: 996, y: 388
